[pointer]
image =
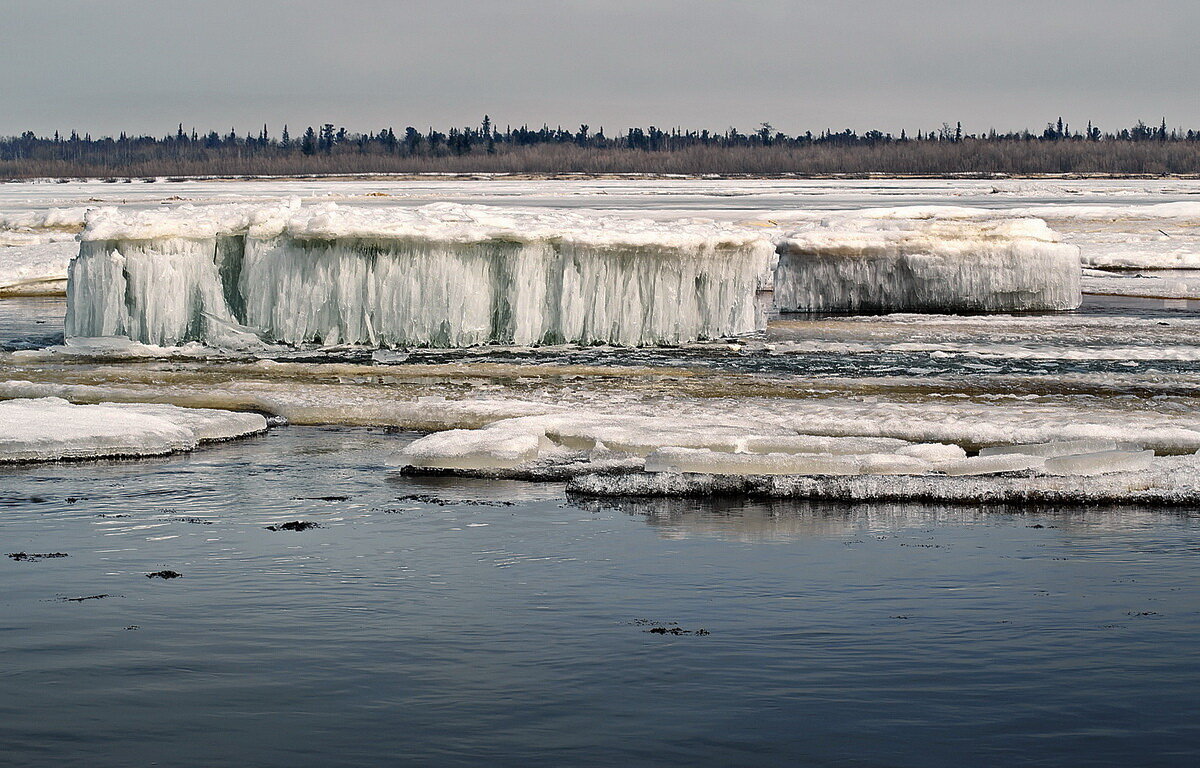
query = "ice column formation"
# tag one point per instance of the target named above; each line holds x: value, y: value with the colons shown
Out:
x: 849, y: 265
x: 440, y: 275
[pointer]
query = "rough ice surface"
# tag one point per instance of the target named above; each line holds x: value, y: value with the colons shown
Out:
x: 917, y: 408
x: 23, y: 227
x: 51, y: 429
x: 1173, y: 480
x: 863, y: 265
x: 441, y: 275
x: 35, y: 249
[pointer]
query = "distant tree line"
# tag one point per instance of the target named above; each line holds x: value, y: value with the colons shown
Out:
x: 1142, y: 149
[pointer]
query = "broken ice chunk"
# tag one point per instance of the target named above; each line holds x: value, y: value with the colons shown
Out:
x: 1059, y: 448
x: 990, y: 465
x: 716, y: 463
x: 1100, y: 463
x: 892, y: 464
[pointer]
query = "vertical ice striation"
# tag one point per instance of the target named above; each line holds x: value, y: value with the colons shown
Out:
x: 161, y: 291
x: 441, y: 275
x: 849, y: 265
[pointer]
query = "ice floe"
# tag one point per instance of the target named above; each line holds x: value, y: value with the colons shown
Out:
x: 51, y: 429
x: 635, y: 455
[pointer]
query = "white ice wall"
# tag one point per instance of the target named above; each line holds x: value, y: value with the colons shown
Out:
x: 442, y: 276
x: 926, y: 266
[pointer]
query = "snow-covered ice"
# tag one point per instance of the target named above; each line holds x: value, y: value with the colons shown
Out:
x: 51, y: 429
x: 534, y: 448
x: 35, y: 268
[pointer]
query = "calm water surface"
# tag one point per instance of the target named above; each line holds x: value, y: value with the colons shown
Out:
x: 451, y: 622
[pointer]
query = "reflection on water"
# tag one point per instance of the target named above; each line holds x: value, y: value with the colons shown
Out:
x: 782, y: 520
x: 455, y: 622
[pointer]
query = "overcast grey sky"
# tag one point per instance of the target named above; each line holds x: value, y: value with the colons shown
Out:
x: 144, y: 65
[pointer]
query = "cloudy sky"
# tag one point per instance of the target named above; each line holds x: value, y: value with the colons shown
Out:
x: 145, y: 65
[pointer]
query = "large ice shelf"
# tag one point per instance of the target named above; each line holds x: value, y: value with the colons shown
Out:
x: 447, y: 275
x: 440, y: 275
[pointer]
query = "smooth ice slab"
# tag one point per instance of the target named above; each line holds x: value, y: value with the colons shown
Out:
x: 440, y: 275
x: 879, y: 265
x: 1100, y: 463
x: 990, y: 465
x: 51, y: 429
x: 1059, y: 448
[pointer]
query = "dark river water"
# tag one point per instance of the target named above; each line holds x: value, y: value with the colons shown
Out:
x: 452, y: 622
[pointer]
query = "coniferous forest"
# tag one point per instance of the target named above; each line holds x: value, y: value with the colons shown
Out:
x: 487, y: 148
